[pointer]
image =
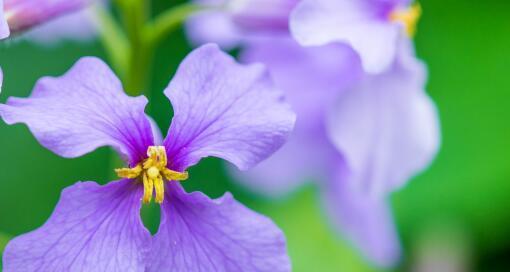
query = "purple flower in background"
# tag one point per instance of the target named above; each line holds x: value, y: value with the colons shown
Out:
x: 20, y: 15
x: 221, y: 109
x: 358, y: 136
x: 372, y: 27
x: 230, y: 22
x: 80, y: 26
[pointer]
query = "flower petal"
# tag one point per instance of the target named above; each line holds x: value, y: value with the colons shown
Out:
x: 83, y: 110
x: 362, y: 24
x: 226, y: 110
x: 200, y: 234
x: 387, y: 128
x: 300, y: 160
x: 311, y: 78
x: 4, y: 27
x: 213, y: 26
x: 28, y: 13
x: 364, y: 220
x: 93, y: 228
x: 77, y: 26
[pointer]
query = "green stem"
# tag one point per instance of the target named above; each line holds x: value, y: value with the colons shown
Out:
x: 134, y: 14
x: 114, y: 41
x: 169, y: 21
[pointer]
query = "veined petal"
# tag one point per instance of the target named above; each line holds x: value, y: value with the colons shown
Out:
x: 387, y: 128
x: 200, y: 234
x: 224, y: 109
x: 363, y: 24
x: 366, y: 221
x: 84, y: 109
x: 4, y: 27
x: 93, y: 228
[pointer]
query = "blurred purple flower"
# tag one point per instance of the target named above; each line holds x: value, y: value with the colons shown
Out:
x: 372, y: 27
x: 221, y: 109
x: 359, y: 135
x: 80, y: 26
x: 20, y: 15
x: 230, y: 22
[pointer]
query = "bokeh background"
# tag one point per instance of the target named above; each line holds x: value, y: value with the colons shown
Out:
x: 455, y: 215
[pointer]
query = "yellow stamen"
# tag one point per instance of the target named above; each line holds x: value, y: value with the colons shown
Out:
x: 129, y: 172
x: 408, y: 17
x: 174, y: 175
x: 153, y: 172
x: 159, y: 187
x: 148, y: 188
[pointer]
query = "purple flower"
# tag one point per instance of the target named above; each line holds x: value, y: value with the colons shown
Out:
x: 371, y: 27
x: 359, y: 136
x: 230, y: 22
x: 78, y: 26
x: 19, y: 15
x: 221, y: 109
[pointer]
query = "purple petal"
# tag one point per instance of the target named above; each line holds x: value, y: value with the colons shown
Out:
x: 156, y: 131
x: 311, y: 78
x: 200, y: 234
x: 214, y: 27
x: 262, y: 15
x: 387, y: 128
x: 76, y: 26
x: 226, y: 110
x: 93, y: 228
x: 363, y: 24
x: 4, y: 27
x: 236, y: 21
x: 364, y: 220
x: 83, y: 110
x: 300, y: 160
x: 24, y: 14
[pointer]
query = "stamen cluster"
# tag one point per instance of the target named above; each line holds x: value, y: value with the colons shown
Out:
x: 152, y: 172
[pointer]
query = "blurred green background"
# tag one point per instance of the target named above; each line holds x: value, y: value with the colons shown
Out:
x: 457, y: 212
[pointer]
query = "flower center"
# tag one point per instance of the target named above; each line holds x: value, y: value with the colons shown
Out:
x: 408, y: 17
x: 153, y: 172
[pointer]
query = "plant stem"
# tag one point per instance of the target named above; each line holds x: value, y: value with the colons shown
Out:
x: 114, y: 40
x: 135, y: 14
x: 169, y: 21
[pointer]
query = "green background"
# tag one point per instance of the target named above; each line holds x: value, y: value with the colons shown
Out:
x: 460, y: 205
